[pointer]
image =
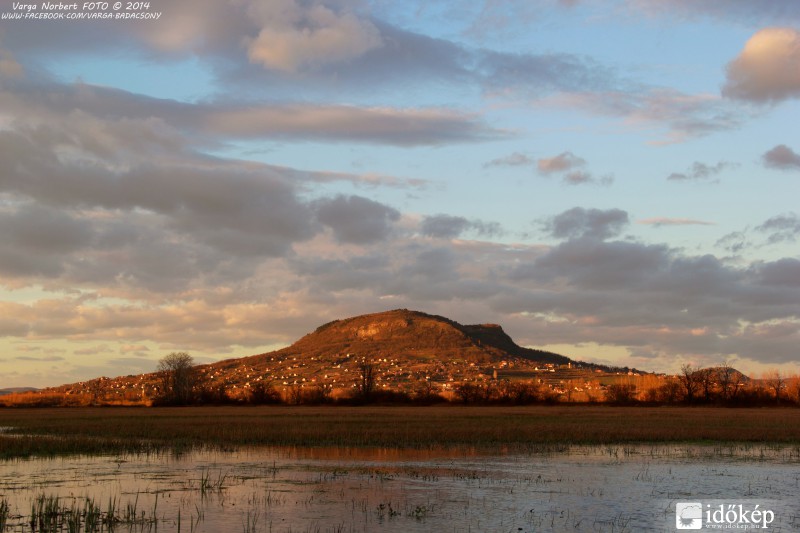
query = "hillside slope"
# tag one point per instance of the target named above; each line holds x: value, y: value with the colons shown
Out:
x: 405, y: 347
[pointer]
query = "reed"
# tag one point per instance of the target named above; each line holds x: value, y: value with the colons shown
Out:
x: 51, y: 514
x: 52, y: 432
x: 4, y: 512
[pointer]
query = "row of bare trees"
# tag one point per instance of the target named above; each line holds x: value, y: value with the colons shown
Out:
x: 722, y: 385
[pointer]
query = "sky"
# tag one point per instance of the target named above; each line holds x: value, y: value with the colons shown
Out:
x: 614, y: 180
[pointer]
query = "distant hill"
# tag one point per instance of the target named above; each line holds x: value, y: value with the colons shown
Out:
x: 406, y: 348
x: 16, y: 390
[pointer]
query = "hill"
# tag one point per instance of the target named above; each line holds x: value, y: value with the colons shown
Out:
x: 415, y: 335
x: 16, y: 390
x: 404, y: 347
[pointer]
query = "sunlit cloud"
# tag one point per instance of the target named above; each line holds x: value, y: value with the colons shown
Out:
x: 766, y: 69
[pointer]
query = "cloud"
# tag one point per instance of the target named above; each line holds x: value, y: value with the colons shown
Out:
x: 560, y: 163
x: 401, y: 127
x: 774, y: 11
x: 781, y: 228
x: 664, y: 221
x: 783, y: 272
x: 568, y: 166
x: 35, y: 240
x: 683, y: 115
x: 516, y: 159
x: 535, y: 75
x: 579, y: 177
x: 210, y: 199
x: 781, y: 157
x: 733, y: 242
x: 9, y: 68
x: 589, y: 263
x: 355, y: 219
x: 766, y: 69
x: 94, y: 350
x: 134, y: 348
x: 588, y: 288
x: 123, y: 213
x: 46, y: 359
x: 581, y: 223
x: 302, y: 49
x: 450, y: 227
x: 294, y: 37
x: 368, y: 180
x: 700, y: 171
x: 173, y: 124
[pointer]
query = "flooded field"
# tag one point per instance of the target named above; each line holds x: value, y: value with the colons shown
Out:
x: 582, y: 488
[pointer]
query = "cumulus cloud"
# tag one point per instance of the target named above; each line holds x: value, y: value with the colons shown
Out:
x: 450, y: 227
x: 766, y: 69
x: 579, y: 223
x: 781, y: 157
x: 355, y: 219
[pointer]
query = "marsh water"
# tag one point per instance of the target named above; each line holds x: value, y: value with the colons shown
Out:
x: 596, y: 488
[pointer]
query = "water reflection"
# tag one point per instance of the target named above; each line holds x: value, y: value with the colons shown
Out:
x: 592, y: 488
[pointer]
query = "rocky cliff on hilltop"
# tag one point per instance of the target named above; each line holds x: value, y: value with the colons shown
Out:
x: 416, y: 335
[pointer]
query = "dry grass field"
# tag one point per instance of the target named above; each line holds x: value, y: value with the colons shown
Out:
x: 60, y: 431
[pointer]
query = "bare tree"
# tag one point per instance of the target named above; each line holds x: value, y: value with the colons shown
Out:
x: 178, y: 378
x: 689, y: 380
x: 426, y: 391
x: 705, y: 379
x: 730, y: 382
x: 777, y: 382
x: 669, y: 392
x: 621, y: 393
x: 365, y: 385
x: 263, y: 392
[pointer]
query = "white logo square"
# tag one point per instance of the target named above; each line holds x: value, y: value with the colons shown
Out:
x: 689, y: 515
